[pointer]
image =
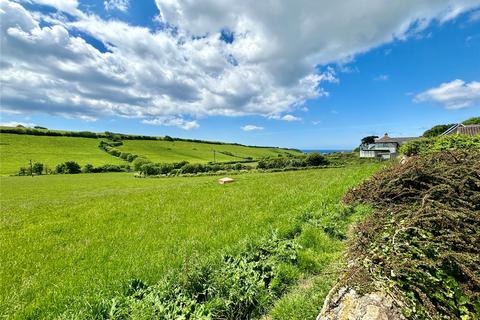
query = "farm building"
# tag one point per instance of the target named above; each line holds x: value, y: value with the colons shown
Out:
x: 384, y: 148
x: 469, y: 130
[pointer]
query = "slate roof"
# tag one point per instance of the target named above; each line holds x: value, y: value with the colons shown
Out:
x: 399, y: 140
x: 469, y: 130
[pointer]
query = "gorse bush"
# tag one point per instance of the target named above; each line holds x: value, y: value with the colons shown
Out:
x: 424, y: 146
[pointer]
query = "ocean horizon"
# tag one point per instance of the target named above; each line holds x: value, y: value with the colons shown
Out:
x: 325, y: 151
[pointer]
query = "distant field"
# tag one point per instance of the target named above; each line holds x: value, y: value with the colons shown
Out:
x: 66, y: 240
x: 17, y: 150
x: 174, y: 151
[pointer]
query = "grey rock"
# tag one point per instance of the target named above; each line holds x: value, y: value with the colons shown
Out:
x: 345, y: 304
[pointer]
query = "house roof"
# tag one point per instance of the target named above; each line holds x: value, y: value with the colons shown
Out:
x: 387, y: 139
x: 469, y: 130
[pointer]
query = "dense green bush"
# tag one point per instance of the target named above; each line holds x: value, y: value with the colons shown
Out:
x: 311, y: 160
x: 88, y: 168
x: 139, y: 162
x: 316, y: 159
x: 37, y: 168
x: 442, y: 143
x: 437, y: 130
x: 68, y: 167
x: 474, y: 120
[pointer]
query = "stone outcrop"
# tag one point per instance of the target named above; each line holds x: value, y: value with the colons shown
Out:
x: 346, y: 304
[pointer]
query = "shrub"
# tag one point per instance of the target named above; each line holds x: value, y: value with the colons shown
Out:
x: 23, y: 171
x: 315, y: 159
x: 139, y: 162
x: 68, y: 167
x: 88, y: 168
x: 442, y: 143
x: 37, y: 168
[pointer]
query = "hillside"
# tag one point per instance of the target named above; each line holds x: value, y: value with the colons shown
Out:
x: 172, y: 151
x: 16, y: 150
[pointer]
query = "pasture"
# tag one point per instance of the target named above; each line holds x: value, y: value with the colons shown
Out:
x: 67, y: 241
x: 195, y: 152
x: 16, y: 150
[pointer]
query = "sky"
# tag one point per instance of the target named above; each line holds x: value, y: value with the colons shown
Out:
x: 309, y: 74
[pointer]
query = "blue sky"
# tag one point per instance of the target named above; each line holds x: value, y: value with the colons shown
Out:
x: 310, y: 76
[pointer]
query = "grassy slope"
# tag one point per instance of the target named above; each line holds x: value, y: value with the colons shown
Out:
x: 174, y: 151
x: 80, y: 237
x: 16, y: 150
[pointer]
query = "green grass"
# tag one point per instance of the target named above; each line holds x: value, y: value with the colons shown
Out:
x: 17, y: 150
x: 66, y: 240
x: 175, y: 151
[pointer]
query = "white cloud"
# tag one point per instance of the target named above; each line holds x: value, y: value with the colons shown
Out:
x: 121, y: 5
x: 453, y: 95
x: 271, y: 67
x: 382, y: 77
x: 251, y: 127
x: 68, y: 6
x: 15, y: 123
x: 287, y: 117
x: 173, y: 122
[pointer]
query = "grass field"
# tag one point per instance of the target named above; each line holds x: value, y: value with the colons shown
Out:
x: 67, y: 240
x: 17, y: 150
x: 175, y: 151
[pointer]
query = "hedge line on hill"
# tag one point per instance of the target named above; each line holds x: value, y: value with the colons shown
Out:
x: 71, y: 167
x: 147, y: 168
x: 115, y: 136
x: 109, y: 147
x: 424, y: 146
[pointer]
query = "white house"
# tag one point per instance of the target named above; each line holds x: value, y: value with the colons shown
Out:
x: 384, y: 148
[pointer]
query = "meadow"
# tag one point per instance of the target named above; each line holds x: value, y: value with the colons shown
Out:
x: 67, y: 241
x: 195, y: 152
x: 17, y: 150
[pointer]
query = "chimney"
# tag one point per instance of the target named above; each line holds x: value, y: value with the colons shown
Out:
x: 386, y: 136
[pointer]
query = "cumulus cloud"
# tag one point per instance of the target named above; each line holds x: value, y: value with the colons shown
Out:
x: 456, y: 94
x: 121, y: 5
x: 251, y: 127
x: 270, y: 66
x: 173, y: 122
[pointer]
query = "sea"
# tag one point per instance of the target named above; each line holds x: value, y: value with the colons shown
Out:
x: 324, y: 151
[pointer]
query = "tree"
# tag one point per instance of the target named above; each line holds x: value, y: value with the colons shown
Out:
x: 168, y: 138
x: 369, y: 139
x: 474, y: 120
x: 37, y: 168
x: 437, y: 130
x: 315, y: 159
x: 88, y: 168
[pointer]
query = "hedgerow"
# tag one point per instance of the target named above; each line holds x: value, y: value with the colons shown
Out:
x: 441, y: 143
x: 422, y: 242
